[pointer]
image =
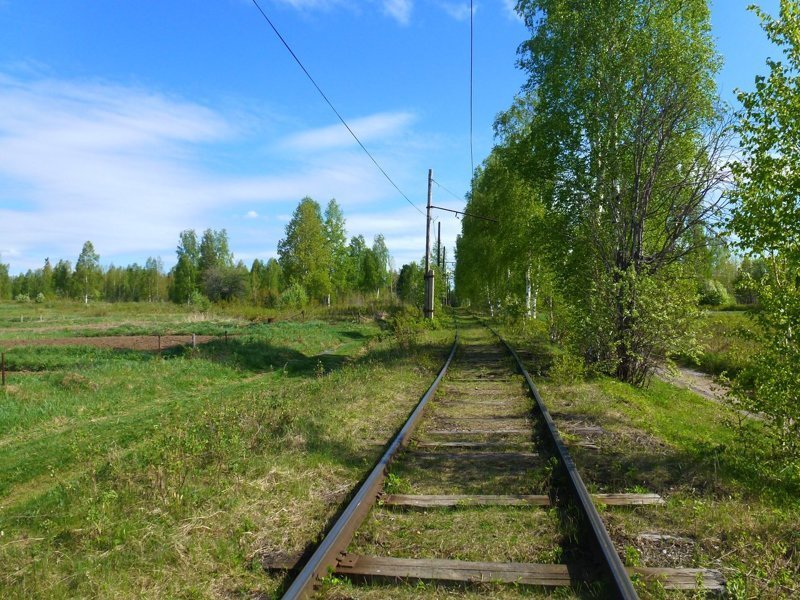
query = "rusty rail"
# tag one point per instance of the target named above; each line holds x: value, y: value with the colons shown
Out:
x: 338, y: 538
x: 618, y: 576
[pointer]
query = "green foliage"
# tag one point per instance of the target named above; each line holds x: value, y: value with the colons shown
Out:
x: 304, y: 255
x: 199, y: 301
x: 713, y: 293
x: 88, y: 275
x: 411, y: 285
x: 618, y: 94
x: 226, y: 283
x: 406, y: 324
x: 293, y: 297
x: 566, y: 369
x: 766, y: 221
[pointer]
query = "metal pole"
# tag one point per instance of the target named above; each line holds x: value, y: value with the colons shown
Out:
x: 428, y: 308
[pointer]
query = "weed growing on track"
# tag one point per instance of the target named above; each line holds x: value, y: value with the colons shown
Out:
x: 127, y: 475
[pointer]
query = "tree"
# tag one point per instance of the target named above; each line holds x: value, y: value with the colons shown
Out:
x: 410, y: 286
x: 304, y: 256
x: 336, y: 239
x: 5, y: 282
x: 88, y: 274
x: 627, y: 144
x: 62, y: 275
x: 766, y: 222
x: 226, y: 283
x: 186, y: 272
x: 214, y: 252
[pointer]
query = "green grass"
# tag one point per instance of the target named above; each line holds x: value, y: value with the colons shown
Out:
x: 727, y: 342
x: 123, y: 474
x: 736, y: 506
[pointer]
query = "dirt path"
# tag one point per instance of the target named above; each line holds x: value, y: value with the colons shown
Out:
x: 697, y: 381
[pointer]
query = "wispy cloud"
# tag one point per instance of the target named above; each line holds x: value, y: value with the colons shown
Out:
x: 369, y: 128
x: 399, y: 10
x: 458, y: 11
x: 129, y: 168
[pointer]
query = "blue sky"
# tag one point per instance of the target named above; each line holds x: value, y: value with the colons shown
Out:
x: 127, y: 122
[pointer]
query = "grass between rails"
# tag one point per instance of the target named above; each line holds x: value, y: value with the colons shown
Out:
x: 727, y: 507
x: 127, y: 475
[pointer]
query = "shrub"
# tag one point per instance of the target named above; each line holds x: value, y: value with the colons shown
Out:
x: 293, y: 297
x: 199, y: 301
x: 714, y: 293
x: 567, y: 369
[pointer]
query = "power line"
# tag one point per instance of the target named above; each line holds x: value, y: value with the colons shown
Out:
x: 471, y: 88
x: 333, y: 108
x: 453, y: 194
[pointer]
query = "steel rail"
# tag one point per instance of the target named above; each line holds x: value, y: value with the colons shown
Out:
x: 326, y: 556
x: 619, y: 578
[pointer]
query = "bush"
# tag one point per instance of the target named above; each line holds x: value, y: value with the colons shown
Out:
x: 714, y: 293
x: 40, y: 298
x: 567, y: 369
x: 199, y: 301
x: 24, y: 298
x: 293, y: 297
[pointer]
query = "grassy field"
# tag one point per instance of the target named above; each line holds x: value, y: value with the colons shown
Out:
x: 727, y: 343
x: 728, y: 507
x: 127, y: 473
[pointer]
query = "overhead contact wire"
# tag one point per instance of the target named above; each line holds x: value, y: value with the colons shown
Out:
x: 471, y: 84
x: 333, y: 108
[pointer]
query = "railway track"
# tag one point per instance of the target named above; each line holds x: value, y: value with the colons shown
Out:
x: 477, y: 490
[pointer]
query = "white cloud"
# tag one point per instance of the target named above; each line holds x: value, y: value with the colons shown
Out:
x: 399, y: 10
x: 312, y: 4
x: 381, y: 125
x: 251, y: 214
x: 127, y: 169
x: 458, y: 11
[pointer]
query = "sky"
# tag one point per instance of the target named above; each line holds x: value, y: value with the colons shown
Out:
x: 127, y: 122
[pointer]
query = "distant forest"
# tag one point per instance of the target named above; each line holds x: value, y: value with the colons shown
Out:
x: 315, y: 264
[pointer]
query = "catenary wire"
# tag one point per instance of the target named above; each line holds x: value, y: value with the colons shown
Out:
x: 471, y: 86
x: 333, y: 108
x: 453, y: 194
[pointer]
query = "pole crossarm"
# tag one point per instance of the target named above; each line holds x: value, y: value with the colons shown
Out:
x: 458, y: 212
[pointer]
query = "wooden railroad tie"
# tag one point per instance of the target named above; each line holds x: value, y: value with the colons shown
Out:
x: 465, y: 444
x: 443, y: 500
x: 496, y: 456
x: 479, y: 431
x: 546, y: 575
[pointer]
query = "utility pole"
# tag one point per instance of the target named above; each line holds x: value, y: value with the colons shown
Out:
x: 428, y: 309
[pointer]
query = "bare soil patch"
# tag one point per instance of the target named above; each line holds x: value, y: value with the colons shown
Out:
x: 119, y: 342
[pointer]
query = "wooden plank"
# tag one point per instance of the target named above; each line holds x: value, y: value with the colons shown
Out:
x: 628, y: 499
x: 436, y: 500
x: 529, y: 573
x: 682, y: 579
x: 479, y: 431
x: 456, y: 570
x: 523, y: 417
x: 506, y: 456
x: 465, y: 444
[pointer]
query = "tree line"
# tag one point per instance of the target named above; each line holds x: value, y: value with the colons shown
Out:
x: 623, y: 185
x: 316, y: 263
